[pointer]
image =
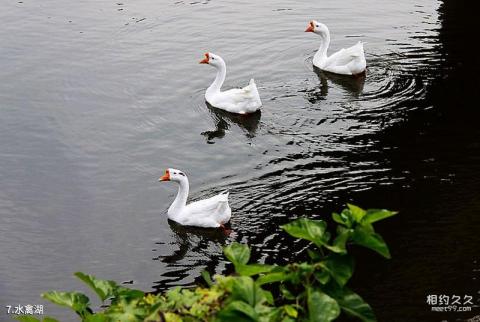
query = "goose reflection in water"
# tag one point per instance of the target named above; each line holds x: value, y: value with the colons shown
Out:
x: 350, y: 84
x: 223, y: 120
x: 195, y: 248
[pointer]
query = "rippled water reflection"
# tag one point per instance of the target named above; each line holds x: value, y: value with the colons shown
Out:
x: 101, y: 96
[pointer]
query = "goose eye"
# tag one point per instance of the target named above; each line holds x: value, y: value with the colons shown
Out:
x: 317, y: 26
x: 213, y: 57
x: 182, y: 174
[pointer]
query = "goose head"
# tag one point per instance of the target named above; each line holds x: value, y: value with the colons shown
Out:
x: 173, y: 175
x: 317, y: 28
x: 212, y: 59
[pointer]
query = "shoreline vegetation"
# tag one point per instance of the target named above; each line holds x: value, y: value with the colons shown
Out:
x: 315, y: 290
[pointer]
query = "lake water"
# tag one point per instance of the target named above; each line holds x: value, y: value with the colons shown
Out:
x: 97, y: 98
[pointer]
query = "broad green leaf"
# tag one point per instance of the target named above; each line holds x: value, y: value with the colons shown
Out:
x: 340, y: 267
x: 253, y: 269
x: 368, y: 239
x: 274, y: 314
x: 322, y: 276
x: 238, y: 311
x: 50, y: 319
x: 340, y: 242
x: 273, y: 277
x: 237, y: 253
x: 339, y: 219
x: 321, y: 307
x: 126, y: 311
x: 268, y: 297
x: 354, y: 305
x: 244, y: 289
x: 76, y: 301
x: 104, y: 289
x: 312, y: 230
x: 97, y: 317
x: 374, y: 215
x: 27, y: 318
x: 290, y: 310
x: 357, y: 212
x: 127, y: 294
x: 344, y: 218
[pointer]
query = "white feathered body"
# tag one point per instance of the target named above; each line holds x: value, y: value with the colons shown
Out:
x: 347, y: 61
x: 208, y: 213
x: 237, y: 100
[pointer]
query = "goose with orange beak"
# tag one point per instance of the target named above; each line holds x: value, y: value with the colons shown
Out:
x: 213, y: 212
x: 347, y: 61
x: 238, y: 100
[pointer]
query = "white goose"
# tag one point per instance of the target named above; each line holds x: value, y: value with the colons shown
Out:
x: 238, y: 100
x: 213, y: 212
x: 349, y: 61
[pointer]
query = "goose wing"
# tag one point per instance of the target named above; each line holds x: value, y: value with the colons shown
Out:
x: 209, y: 212
x: 345, y: 55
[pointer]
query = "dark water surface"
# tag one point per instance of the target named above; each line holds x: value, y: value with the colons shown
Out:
x: 97, y: 98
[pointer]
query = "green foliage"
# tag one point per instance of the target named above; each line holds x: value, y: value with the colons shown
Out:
x: 314, y: 290
x: 29, y: 318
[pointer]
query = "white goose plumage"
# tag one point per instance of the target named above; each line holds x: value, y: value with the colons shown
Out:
x: 238, y: 100
x: 347, y: 61
x: 213, y: 212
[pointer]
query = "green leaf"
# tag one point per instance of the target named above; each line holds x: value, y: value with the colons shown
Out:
x: 322, y: 276
x: 50, y: 319
x: 237, y: 253
x: 97, y: 317
x: 126, y: 311
x: 356, y: 212
x: 127, y: 294
x: 207, y: 278
x: 27, y: 318
x: 312, y: 230
x: 238, y: 311
x: 273, y: 277
x: 76, y: 301
x: 253, y: 269
x: 339, y: 219
x: 290, y: 310
x: 268, y: 297
x: 352, y: 304
x: 321, y: 307
x: 244, y: 289
x: 344, y: 218
x: 104, y: 289
x: 314, y: 255
x: 340, y: 267
x: 286, y: 293
x: 172, y: 317
x: 340, y: 242
x: 374, y: 215
x: 364, y: 237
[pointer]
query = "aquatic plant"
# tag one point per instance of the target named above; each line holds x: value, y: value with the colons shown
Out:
x: 314, y: 290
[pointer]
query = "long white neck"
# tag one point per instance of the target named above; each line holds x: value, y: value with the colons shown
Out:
x: 181, y: 198
x: 321, y: 54
x: 219, y: 79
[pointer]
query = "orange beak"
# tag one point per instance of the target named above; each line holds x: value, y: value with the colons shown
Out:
x: 311, y: 27
x: 165, y: 177
x: 206, y: 59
